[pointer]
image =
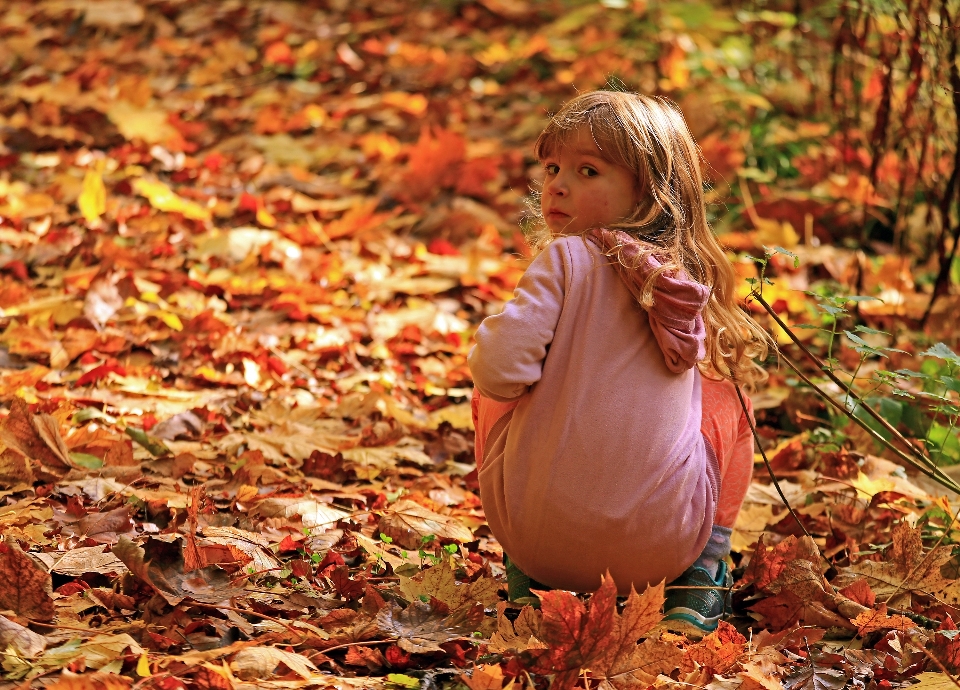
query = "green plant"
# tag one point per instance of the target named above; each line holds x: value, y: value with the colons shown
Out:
x: 880, y: 419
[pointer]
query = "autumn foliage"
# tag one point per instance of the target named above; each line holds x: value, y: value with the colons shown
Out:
x: 244, y: 248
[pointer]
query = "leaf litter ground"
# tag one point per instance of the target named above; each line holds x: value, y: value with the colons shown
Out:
x: 238, y: 292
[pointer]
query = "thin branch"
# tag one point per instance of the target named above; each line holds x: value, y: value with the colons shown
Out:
x: 936, y: 473
x: 763, y: 454
x: 920, y: 455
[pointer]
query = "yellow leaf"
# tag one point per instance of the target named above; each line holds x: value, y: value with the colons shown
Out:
x: 247, y: 493
x: 93, y: 199
x: 143, y: 666
x: 773, y: 233
x: 265, y: 218
x: 413, y: 103
x: 148, y: 124
x: 172, y: 320
x: 163, y: 199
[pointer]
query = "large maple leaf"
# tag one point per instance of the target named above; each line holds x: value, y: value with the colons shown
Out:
x: 907, y: 569
x: 597, y: 637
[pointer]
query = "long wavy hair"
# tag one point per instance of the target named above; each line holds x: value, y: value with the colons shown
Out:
x: 649, y: 136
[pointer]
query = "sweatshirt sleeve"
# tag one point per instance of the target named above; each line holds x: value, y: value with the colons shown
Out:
x: 511, y: 346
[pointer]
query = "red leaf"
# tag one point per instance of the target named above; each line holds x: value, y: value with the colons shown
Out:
x: 397, y: 658
x: 574, y: 634
x: 860, y: 592
x: 347, y: 588
x: 769, y: 561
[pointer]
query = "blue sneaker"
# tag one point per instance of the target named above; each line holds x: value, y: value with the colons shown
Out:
x: 696, y: 602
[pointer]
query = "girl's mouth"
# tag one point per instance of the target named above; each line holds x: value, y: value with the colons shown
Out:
x: 557, y: 214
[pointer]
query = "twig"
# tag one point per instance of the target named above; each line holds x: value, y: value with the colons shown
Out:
x: 766, y: 462
x: 940, y: 478
x: 939, y: 665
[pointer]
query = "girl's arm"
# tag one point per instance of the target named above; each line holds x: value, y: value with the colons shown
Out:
x: 511, y: 346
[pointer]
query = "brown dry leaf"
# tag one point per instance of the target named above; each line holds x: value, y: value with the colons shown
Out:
x: 719, y: 650
x: 654, y: 656
x: 485, y: 677
x: 160, y: 565
x: 14, y: 469
x: 623, y: 663
x: 85, y: 559
x: 419, y: 629
x: 754, y: 678
x: 90, y: 681
x: 786, y: 609
x: 439, y: 582
x: 253, y: 663
x: 407, y: 522
x: 25, y: 588
x: 313, y: 514
x: 519, y: 635
x: 908, y: 569
x: 23, y: 640
x: 110, y: 600
x: 102, y: 528
x: 769, y: 561
x: 869, y: 621
x: 369, y: 657
x: 38, y: 438
x: 252, y: 545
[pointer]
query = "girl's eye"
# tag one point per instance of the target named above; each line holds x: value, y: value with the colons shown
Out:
x: 587, y: 171
x: 552, y: 168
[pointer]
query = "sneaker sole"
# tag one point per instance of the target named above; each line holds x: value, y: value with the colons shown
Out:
x: 689, y: 623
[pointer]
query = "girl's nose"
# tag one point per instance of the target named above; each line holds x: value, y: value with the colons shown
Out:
x: 556, y: 187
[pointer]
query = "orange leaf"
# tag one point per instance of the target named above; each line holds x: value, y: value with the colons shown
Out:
x: 869, y: 621
x: 434, y: 162
x: 718, y: 651
x: 860, y: 592
x: 769, y: 561
x: 596, y: 637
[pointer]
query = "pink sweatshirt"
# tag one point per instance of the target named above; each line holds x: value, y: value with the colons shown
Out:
x: 602, y: 466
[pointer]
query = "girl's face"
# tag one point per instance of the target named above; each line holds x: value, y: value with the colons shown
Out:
x: 582, y: 190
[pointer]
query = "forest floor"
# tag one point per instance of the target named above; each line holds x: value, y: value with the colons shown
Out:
x: 243, y: 251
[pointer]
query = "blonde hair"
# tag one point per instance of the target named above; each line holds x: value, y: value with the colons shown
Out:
x: 649, y: 136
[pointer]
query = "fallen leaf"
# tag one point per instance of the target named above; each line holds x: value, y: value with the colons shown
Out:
x: 369, y: 657
x: 578, y: 637
x: 93, y: 198
x: 717, y: 651
x: 769, y: 561
x: 90, y: 681
x: 160, y: 195
x: 103, y: 528
x: 38, y: 438
x: 485, y: 677
x: 22, y: 640
x: 313, y: 514
x: 112, y: 13
x: 624, y: 663
x: 519, y: 635
x: 419, y: 629
x: 82, y: 560
x: 870, y: 621
x: 440, y: 583
x: 407, y: 522
x: 25, y: 588
x: 254, y: 663
x: 160, y: 565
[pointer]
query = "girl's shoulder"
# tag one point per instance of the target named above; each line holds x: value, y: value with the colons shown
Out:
x: 572, y: 249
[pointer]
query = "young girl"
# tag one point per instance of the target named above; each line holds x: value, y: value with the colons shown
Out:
x: 609, y: 432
